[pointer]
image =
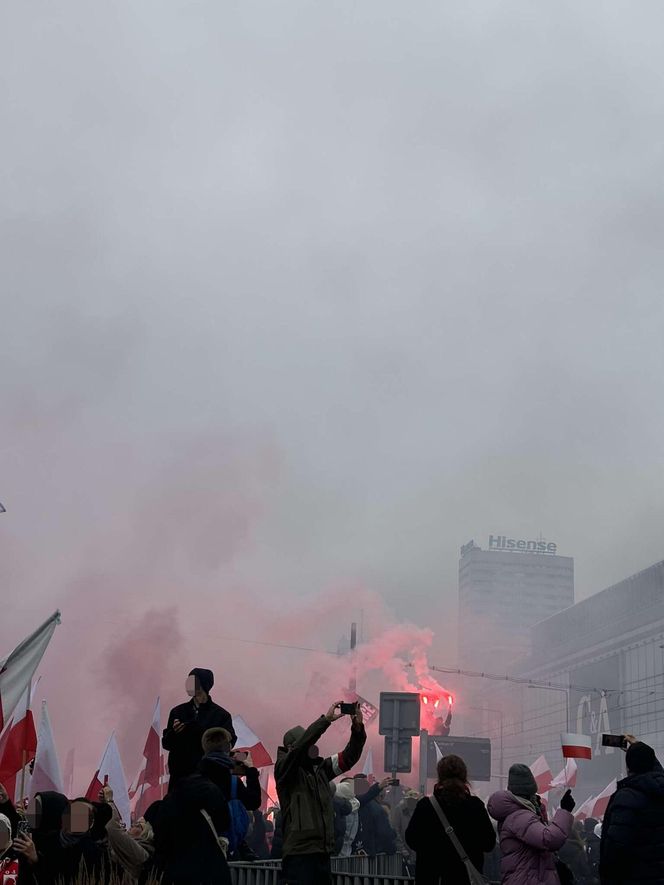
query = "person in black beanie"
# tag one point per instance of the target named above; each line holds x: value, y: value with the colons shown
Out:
x: 632, y: 845
x: 187, y: 723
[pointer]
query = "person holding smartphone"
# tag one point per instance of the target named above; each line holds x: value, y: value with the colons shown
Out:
x: 189, y: 721
x: 632, y: 842
x: 303, y: 779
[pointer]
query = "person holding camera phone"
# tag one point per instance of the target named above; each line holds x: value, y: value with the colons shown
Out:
x: 303, y: 785
x: 187, y: 723
x: 632, y: 842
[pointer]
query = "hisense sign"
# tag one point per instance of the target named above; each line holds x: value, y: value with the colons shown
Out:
x: 501, y: 542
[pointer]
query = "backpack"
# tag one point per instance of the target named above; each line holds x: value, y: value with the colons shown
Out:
x: 240, y: 820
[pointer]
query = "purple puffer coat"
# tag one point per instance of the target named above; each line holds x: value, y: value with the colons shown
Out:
x: 526, y: 843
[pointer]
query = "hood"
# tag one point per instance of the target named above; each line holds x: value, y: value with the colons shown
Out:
x: 205, y: 678
x: 5, y: 824
x: 52, y: 808
x: 292, y: 735
x: 651, y: 783
x: 503, y: 803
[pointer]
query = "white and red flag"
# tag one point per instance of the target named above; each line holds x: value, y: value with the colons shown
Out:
x: 576, y: 746
x: 368, y: 767
x: 567, y: 777
x: 147, y: 785
x: 585, y: 810
x: 46, y: 772
x: 111, y: 773
x: 18, y: 668
x: 542, y: 774
x: 18, y: 745
x: 249, y: 741
x: 602, y: 800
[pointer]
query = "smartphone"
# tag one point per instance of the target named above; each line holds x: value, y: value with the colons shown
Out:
x: 348, y: 709
x: 240, y: 755
x: 22, y: 828
x: 614, y: 740
x: 395, y: 782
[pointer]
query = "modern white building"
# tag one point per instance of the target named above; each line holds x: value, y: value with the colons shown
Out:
x: 503, y: 591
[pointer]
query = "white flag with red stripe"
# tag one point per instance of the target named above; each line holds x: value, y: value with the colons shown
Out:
x: 147, y: 785
x: 111, y: 773
x: 542, y: 774
x: 18, y: 745
x: 567, y: 777
x: 249, y: 741
x: 18, y: 668
x: 602, y: 800
x: 576, y: 746
x: 46, y: 773
x: 585, y: 810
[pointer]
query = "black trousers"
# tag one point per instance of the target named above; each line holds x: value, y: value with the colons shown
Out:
x: 306, y: 869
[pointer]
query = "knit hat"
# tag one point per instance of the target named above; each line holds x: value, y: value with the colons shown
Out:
x: 521, y: 781
x: 294, y: 734
x: 205, y: 678
x: 640, y: 758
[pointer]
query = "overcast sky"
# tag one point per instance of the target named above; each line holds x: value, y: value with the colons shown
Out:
x: 303, y: 295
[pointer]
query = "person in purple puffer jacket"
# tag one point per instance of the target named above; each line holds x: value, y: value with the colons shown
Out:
x: 527, y: 840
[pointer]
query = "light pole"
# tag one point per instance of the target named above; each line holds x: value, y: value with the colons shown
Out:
x: 499, y: 713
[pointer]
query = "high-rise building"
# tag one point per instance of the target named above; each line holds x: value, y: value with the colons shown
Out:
x: 503, y: 591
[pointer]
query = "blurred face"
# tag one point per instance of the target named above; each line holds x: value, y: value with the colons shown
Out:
x: 78, y: 818
x: 33, y: 812
x: 4, y: 795
x: 194, y: 690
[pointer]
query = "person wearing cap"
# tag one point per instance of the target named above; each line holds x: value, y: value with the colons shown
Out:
x: 632, y: 840
x: 527, y: 839
x: 189, y: 721
x: 303, y: 780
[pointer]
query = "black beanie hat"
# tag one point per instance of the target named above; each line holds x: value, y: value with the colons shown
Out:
x: 640, y: 758
x: 205, y: 678
x: 521, y: 781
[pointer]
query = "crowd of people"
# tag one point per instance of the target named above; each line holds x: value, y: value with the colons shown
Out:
x: 211, y: 815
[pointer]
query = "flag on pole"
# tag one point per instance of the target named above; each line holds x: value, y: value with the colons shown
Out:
x: 542, y: 774
x: 567, y: 777
x: 249, y: 741
x: 585, y: 810
x: 146, y: 787
x: 576, y: 746
x: 602, y: 800
x: 46, y: 773
x: 439, y: 755
x: 18, y: 745
x: 69, y: 774
x: 18, y: 668
x: 110, y: 772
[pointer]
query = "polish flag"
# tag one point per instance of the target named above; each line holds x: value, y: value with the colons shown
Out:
x: 542, y: 774
x: 576, y: 746
x: 567, y: 777
x: 147, y: 785
x: 248, y: 741
x: 602, y: 800
x: 585, y: 810
x: 368, y: 767
x: 264, y: 780
x: 46, y: 773
x: 17, y: 670
x: 18, y: 745
x: 111, y: 773
x: 69, y: 774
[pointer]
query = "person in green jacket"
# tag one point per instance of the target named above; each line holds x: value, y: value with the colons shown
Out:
x: 303, y: 785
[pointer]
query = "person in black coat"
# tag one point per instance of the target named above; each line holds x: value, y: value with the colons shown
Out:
x: 632, y: 843
x: 186, y: 850
x: 375, y: 834
x: 187, y: 724
x: 437, y: 859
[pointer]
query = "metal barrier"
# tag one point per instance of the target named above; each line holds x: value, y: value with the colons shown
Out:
x: 354, y: 870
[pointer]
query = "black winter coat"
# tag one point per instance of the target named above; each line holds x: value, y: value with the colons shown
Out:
x: 375, y: 834
x: 632, y: 846
x: 186, y: 852
x: 184, y: 747
x: 437, y: 859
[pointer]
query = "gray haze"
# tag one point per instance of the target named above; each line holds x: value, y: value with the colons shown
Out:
x: 299, y: 296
